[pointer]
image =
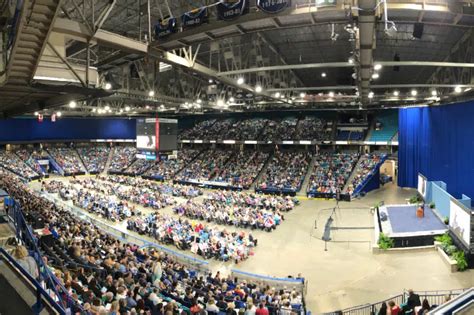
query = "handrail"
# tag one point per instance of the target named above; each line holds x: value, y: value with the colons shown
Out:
x: 371, y: 175
x: 39, y: 290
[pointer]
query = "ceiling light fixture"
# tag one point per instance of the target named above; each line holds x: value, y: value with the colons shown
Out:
x: 277, y: 94
x: 220, y: 103
x: 377, y: 67
x: 331, y: 94
x: 375, y: 76
x: 108, y: 86
x: 371, y: 95
x: 458, y: 89
x: 59, y: 114
x: 323, y: 74
x: 107, y: 107
x: 151, y: 93
x: 414, y: 92
x: 127, y: 108
x: 199, y: 101
x: 396, y: 93
x: 240, y: 81
x: 302, y: 94
x: 36, y: 113
x: 231, y: 99
x: 258, y: 89
x: 72, y: 104
x: 434, y: 93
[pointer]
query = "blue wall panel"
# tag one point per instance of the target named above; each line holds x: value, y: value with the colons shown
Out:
x: 66, y: 129
x: 438, y: 142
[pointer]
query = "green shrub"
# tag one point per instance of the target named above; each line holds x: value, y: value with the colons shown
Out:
x: 446, y: 220
x: 450, y: 249
x: 444, y: 239
x: 432, y: 205
x: 385, y: 242
x: 460, y: 259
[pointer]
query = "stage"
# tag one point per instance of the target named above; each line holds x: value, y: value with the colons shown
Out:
x: 406, y: 229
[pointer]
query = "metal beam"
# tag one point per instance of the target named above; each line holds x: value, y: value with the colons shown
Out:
x: 78, y: 31
x: 176, y: 60
x: 375, y: 86
x: 71, y: 68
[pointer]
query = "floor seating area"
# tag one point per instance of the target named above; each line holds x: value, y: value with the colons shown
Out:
x: 97, y: 269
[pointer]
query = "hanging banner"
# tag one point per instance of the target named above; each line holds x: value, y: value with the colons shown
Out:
x: 53, y: 117
x: 273, y: 6
x: 166, y: 27
x: 194, y: 18
x: 231, y: 9
x: 40, y: 118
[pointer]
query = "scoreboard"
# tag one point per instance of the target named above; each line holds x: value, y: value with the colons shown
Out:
x: 157, y: 134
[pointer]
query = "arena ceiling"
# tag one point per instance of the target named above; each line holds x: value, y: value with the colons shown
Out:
x: 309, y: 56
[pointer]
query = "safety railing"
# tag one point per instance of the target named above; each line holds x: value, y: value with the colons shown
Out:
x: 359, y: 187
x: 191, y: 262
x: 43, y: 298
x: 299, y: 285
x: 433, y: 298
x: 51, y: 283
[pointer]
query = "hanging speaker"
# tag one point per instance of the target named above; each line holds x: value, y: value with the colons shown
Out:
x: 418, y: 30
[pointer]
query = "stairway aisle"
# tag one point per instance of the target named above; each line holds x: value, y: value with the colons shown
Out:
x: 81, y: 160
x: 349, y: 180
x: 109, y: 160
x: 260, y: 174
x: 305, y: 184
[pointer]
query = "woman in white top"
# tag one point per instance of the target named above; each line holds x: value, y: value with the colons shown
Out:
x: 27, y: 262
x: 211, y: 306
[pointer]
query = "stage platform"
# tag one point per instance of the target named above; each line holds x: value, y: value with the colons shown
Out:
x: 406, y: 229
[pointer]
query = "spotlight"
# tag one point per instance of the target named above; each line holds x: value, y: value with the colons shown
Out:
x: 467, y: 89
x: 331, y: 94
x: 72, y: 104
x: 127, y: 108
x: 220, y: 103
x: 277, y: 94
x: 351, y: 60
x: 211, y: 81
x: 371, y: 95
x: 375, y: 76
x: 147, y: 107
x: 377, y: 67
x: 323, y: 74
x: 108, y: 86
x: 59, y: 114
x: 258, y: 89
x: 36, y: 113
x: 302, y: 94
x: 414, y: 92
x: 240, y: 81
x: 199, y: 101
x: 94, y: 110
x: 434, y: 93
x: 107, y: 107
x: 231, y: 99
x: 151, y: 93
x: 458, y: 89
x: 396, y: 93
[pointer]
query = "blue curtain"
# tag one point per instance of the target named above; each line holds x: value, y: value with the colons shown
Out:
x: 438, y: 142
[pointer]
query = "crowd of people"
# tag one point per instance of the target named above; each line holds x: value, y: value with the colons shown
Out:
x: 106, y: 276
x: 123, y: 157
x: 29, y: 158
x: 205, y: 241
x: 238, y: 209
x: 166, y: 169
x: 105, y: 205
x: 67, y: 159
x: 259, y: 128
x: 286, y: 171
x: 13, y: 163
x: 364, y: 169
x: 139, y: 167
x: 331, y: 172
x: 205, y: 167
x: 177, y: 190
x: 242, y: 168
x: 94, y: 157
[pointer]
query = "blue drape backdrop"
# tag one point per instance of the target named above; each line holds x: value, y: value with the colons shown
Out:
x: 12, y: 130
x: 438, y: 142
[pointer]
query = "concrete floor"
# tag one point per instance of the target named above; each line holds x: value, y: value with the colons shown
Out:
x: 347, y: 274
